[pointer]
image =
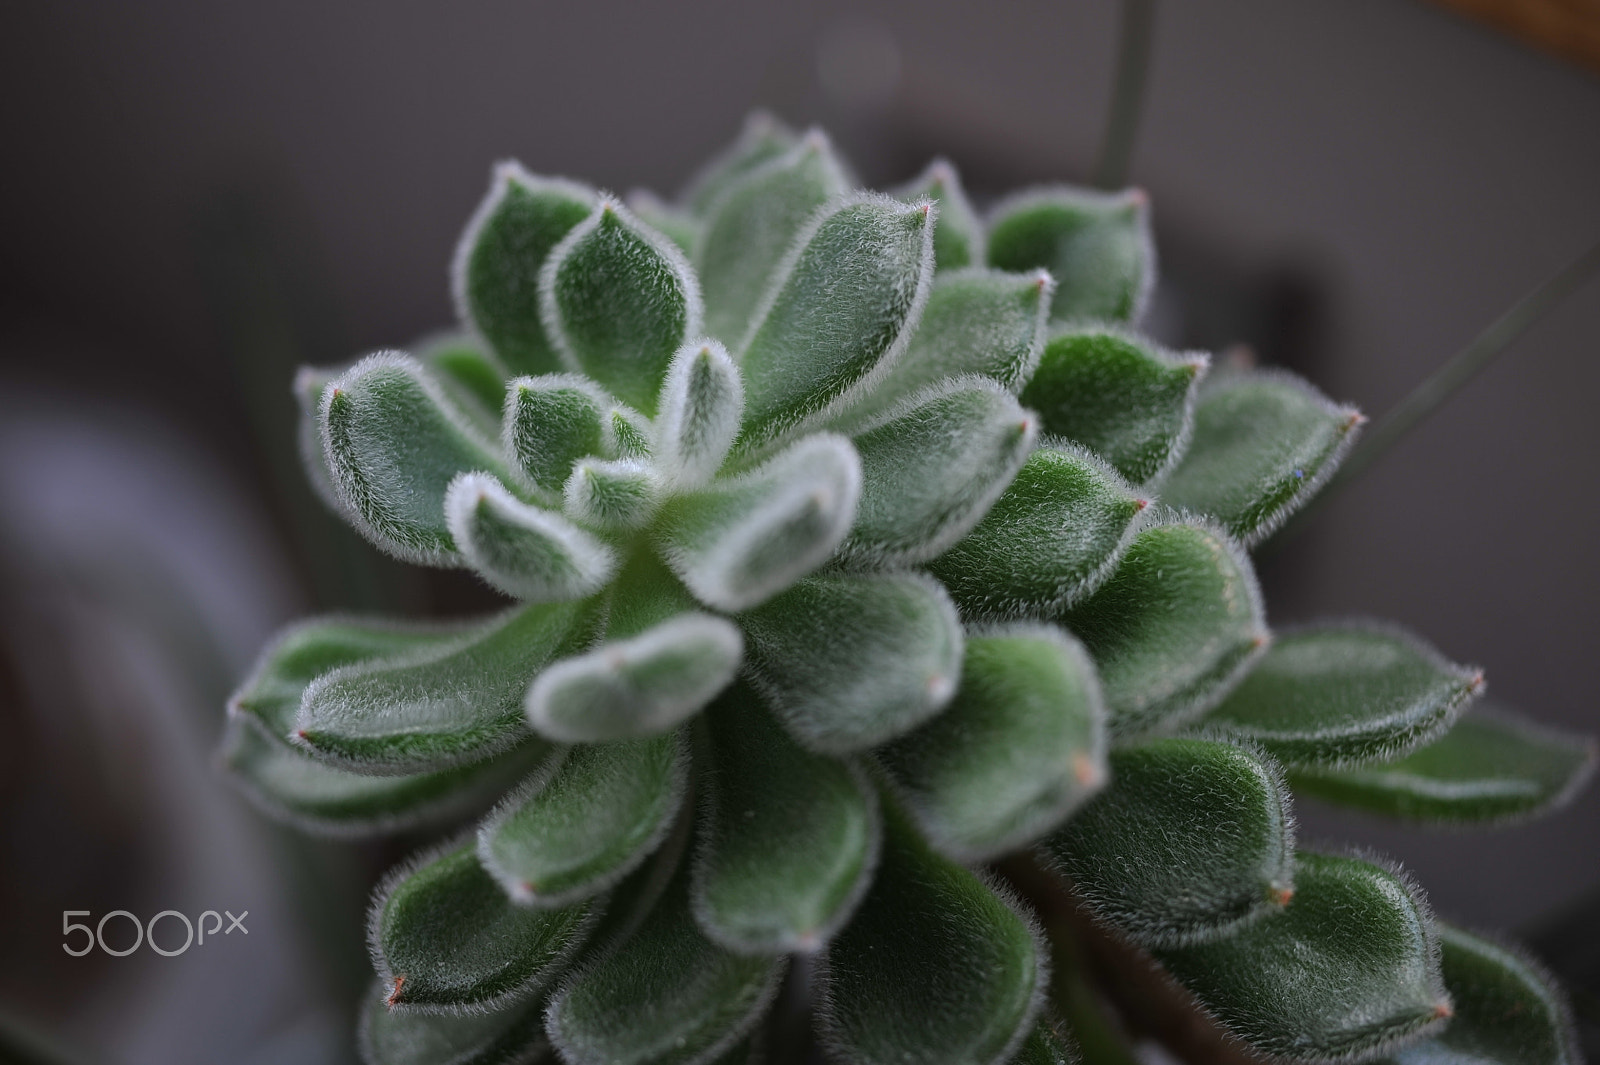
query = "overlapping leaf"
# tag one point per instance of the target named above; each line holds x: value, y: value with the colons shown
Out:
x: 959, y: 241
x: 1097, y: 245
x: 510, y: 1035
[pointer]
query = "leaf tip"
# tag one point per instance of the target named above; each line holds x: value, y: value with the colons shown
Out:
x: 1140, y: 504
x: 1280, y: 895
x: 940, y: 687
x: 1087, y: 772
x: 1444, y: 1009
x: 1352, y: 420
x: 393, y: 998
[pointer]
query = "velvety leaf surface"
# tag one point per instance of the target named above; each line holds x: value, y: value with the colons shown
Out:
x: 679, y: 226
x: 701, y: 404
x: 845, y: 303
x: 525, y: 551
x: 612, y: 494
x: 393, y: 443
x: 1020, y: 746
x: 1051, y: 538
x: 1096, y: 244
x: 1190, y: 839
x: 1347, y: 968
x: 1121, y: 396
x: 444, y: 936
x: 1263, y: 444
x: 1346, y: 694
x: 932, y: 470
x: 1047, y: 1045
x: 959, y: 239
x: 1490, y: 766
x: 586, y: 821
x: 550, y: 423
x: 618, y: 300
x: 788, y: 839
x: 935, y: 967
x: 459, y: 700
x: 495, y: 275
x: 467, y: 371
x: 510, y: 1035
x: 849, y: 662
x: 761, y: 139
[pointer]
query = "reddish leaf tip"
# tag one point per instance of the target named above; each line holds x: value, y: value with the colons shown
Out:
x: 1140, y: 504
x: 1086, y: 771
x: 1281, y: 896
x: 394, y: 992
x: 1444, y: 1009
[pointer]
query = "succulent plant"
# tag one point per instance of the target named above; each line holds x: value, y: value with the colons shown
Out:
x: 857, y: 544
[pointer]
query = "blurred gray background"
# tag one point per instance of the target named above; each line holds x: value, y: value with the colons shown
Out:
x: 198, y: 196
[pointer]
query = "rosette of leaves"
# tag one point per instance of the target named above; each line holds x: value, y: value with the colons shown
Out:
x: 853, y: 543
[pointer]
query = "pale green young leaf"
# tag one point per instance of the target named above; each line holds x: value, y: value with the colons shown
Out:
x: 932, y: 468
x: 959, y: 241
x: 1346, y: 694
x: 1019, y: 748
x: 1491, y: 766
x: 1346, y: 970
x: 612, y: 494
x: 701, y: 405
x: 1121, y: 396
x: 788, y: 839
x: 618, y: 299
x: 742, y: 540
x: 850, y: 661
x: 590, y: 818
x: 495, y: 274
x: 445, y: 938
x: 393, y: 442
x: 844, y: 304
x: 936, y: 967
x: 455, y: 701
x: 525, y: 551
x: 1263, y: 444
x: 627, y: 434
x: 1173, y: 628
x: 1096, y: 244
x: 761, y: 139
x: 1053, y: 536
x: 513, y: 1034
x: 550, y: 423
x: 751, y: 223
x: 1190, y: 840
x: 472, y: 376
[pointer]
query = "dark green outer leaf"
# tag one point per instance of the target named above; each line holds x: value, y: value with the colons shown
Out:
x: 511, y: 1035
x: 1096, y: 244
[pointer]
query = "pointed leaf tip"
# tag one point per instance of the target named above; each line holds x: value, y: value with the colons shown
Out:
x: 959, y: 241
x: 701, y: 405
x: 550, y: 423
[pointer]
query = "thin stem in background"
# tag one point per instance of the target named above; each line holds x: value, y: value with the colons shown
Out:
x: 1135, y: 32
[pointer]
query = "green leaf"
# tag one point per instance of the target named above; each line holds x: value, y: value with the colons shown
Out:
x: 1048, y: 1044
x: 525, y: 551
x: 1096, y: 244
x: 393, y: 443
x: 1051, y: 538
x: 667, y: 996
x: 844, y: 305
x: 444, y: 937
x: 627, y: 434
x: 742, y: 540
x: 1508, y: 1010
x: 762, y: 139
x: 1264, y: 443
x: 750, y: 225
x: 1191, y: 839
x: 590, y: 818
x: 495, y: 274
x: 1347, y: 969
x: 1346, y: 694
x: 1020, y: 747
x: 678, y: 226
x: 510, y: 1035
x: 1173, y: 628
x: 701, y: 405
x: 849, y: 662
x: 468, y: 372
x: 788, y: 839
x: 618, y: 300
x: 933, y: 469
x: 309, y: 384
x: 1123, y: 397
x: 1490, y: 766
x: 937, y: 965
x: 959, y: 240
x: 550, y: 423
x: 615, y: 494
x: 457, y: 700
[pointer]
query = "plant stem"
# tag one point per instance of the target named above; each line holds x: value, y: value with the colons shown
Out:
x: 1135, y: 32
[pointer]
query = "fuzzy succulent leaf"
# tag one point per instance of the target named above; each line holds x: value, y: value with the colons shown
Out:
x: 788, y: 839
x: 850, y: 661
x: 845, y: 303
x: 393, y: 442
x: 613, y: 494
x: 1123, y: 397
x: 1347, y: 969
x: 959, y: 241
x: 1020, y: 746
x: 1047, y: 1044
x: 445, y: 937
x: 585, y: 822
x: 761, y: 139
x: 510, y: 1035
x: 1053, y: 536
x: 677, y: 225
x: 495, y: 275
x: 933, y: 468
x: 468, y: 372
x: 525, y: 551
x: 550, y: 423
x: 619, y: 300
x: 1096, y: 244
x: 455, y: 701
x: 1491, y: 766
x: 1346, y: 694
x: 1263, y: 444
x: 936, y: 967
x: 701, y: 405
x: 1192, y: 838
x: 1173, y: 627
